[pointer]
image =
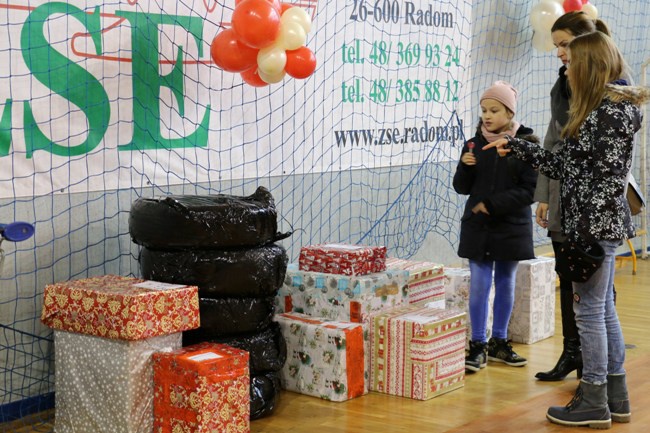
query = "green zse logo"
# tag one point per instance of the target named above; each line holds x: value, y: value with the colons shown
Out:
x: 82, y: 89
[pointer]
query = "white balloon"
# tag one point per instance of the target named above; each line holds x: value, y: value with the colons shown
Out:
x: 271, y: 78
x: 298, y: 15
x: 590, y: 10
x: 271, y: 60
x: 542, y: 41
x: 544, y: 14
x: 292, y: 36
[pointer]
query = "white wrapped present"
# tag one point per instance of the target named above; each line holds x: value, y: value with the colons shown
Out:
x: 457, y: 282
x: 346, y: 298
x: 426, y: 281
x: 324, y: 358
x: 105, y: 385
x: 533, y: 315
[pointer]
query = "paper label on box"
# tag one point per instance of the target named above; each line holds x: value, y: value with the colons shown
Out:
x: 204, y: 356
x: 341, y: 325
x: 436, y: 304
x: 157, y: 285
x: 417, y: 318
x: 343, y: 247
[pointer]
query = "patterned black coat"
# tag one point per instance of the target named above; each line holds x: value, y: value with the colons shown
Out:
x: 593, y: 169
x: 506, y: 187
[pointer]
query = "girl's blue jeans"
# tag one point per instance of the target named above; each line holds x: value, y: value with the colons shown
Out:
x: 601, y: 337
x: 479, y: 295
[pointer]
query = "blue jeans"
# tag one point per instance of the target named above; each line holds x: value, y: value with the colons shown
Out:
x: 479, y: 295
x: 601, y: 337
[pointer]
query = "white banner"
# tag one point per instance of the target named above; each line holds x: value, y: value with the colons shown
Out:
x: 105, y: 95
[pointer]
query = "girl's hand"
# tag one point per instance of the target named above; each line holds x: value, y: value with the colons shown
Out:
x: 480, y: 208
x: 501, y: 146
x: 468, y: 158
x: 541, y: 215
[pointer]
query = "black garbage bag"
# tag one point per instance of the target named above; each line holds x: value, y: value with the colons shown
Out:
x: 209, y: 221
x: 233, y: 316
x: 267, y: 349
x: 265, y: 392
x: 239, y: 273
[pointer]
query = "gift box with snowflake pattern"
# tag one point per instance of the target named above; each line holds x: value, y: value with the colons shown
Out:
x: 343, y: 259
x: 533, y: 314
x: 104, y: 385
x: 324, y: 358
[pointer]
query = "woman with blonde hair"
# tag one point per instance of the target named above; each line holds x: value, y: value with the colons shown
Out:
x: 592, y: 167
x: 547, y: 194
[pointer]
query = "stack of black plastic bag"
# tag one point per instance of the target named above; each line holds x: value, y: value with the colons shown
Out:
x: 224, y: 245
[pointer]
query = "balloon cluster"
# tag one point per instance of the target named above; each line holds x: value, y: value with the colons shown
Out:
x: 544, y: 14
x: 266, y: 42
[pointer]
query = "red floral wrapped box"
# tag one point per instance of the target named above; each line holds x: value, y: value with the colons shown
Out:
x: 201, y: 389
x: 123, y: 308
x: 343, y: 259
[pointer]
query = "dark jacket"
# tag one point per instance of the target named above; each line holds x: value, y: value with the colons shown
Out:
x: 548, y: 190
x: 506, y: 187
x: 593, y: 169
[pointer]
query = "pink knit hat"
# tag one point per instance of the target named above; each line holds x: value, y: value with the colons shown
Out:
x: 503, y: 92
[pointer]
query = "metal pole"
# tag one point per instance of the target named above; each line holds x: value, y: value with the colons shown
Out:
x: 643, y: 169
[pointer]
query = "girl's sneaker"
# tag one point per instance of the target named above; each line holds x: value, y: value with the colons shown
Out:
x: 477, y: 356
x: 500, y: 350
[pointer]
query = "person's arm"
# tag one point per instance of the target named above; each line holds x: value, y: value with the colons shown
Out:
x: 550, y: 140
x: 542, y: 190
x: 546, y: 162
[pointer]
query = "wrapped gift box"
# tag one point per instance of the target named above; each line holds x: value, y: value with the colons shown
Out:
x: 457, y: 296
x: 324, y: 358
x: 417, y: 352
x: 341, y: 297
x: 123, y: 308
x: 104, y: 385
x: 533, y: 314
x: 343, y: 259
x: 426, y: 281
x: 202, y: 388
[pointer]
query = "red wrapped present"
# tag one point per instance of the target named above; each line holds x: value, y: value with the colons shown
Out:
x: 123, y: 308
x: 343, y: 259
x: 202, y: 388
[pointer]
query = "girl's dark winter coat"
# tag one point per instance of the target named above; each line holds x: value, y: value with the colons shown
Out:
x: 506, y: 186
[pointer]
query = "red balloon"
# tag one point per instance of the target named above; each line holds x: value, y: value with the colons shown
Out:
x: 250, y: 76
x: 284, y: 7
x: 572, y: 5
x: 584, y: 2
x: 301, y: 63
x: 231, y: 55
x: 256, y: 23
x: 276, y: 3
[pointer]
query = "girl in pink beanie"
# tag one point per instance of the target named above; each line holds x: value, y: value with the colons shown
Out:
x: 496, y: 229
